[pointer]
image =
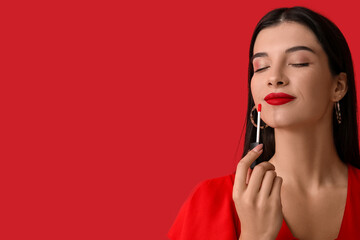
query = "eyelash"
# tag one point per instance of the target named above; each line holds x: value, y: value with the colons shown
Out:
x: 295, y: 65
x: 260, y: 69
x: 300, y: 64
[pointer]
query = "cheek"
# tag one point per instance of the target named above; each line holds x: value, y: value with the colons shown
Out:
x: 317, y: 88
x: 255, y: 90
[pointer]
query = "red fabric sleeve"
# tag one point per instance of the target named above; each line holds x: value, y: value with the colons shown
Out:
x: 209, y: 213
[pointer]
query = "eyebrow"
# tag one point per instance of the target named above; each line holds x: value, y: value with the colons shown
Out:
x: 290, y: 50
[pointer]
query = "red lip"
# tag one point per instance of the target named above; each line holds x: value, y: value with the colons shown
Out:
x: 278, y: 98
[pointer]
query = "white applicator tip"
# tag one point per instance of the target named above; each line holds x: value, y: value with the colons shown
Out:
x: 258, y: 124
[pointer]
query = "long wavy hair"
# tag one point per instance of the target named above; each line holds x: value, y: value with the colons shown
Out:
x: 335, y: 46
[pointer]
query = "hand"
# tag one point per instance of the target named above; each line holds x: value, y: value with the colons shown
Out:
x: 256, y: 195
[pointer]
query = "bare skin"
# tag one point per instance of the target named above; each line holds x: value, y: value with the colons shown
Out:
x: 314, y: 188
x: 314, y: 193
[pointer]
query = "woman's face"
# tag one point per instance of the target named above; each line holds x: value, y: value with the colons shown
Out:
x: 288, y: 59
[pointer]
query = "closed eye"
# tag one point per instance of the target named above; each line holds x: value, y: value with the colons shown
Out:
x: 300, y: 64
x: 260, y: 69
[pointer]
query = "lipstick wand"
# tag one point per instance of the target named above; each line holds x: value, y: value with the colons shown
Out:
x: 254, y: 144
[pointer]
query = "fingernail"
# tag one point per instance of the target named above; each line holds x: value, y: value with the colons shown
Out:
x: 258, y: 148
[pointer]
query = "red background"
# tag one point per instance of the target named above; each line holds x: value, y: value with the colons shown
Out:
x: 113, y: 112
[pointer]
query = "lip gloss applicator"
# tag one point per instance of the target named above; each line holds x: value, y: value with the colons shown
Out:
x: 254, y: 144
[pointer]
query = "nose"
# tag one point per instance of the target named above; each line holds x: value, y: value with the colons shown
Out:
x: 277, y: 78
x: 275, y: 82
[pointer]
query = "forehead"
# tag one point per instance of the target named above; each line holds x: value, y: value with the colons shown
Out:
x: 285, y: 35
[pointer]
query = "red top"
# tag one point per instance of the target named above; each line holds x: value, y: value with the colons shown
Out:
x: 209, y: 213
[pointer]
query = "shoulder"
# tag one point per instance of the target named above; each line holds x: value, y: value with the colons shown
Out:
x: 208, y: 213
x: 216, y: 187
x: 354, y: 187
x: 211, y: 196
x: 354, y: 173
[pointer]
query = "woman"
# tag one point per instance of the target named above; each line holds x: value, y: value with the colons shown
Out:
x: 307, y: 184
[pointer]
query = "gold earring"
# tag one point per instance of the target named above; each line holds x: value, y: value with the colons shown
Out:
x: 252, y: 119
x: 338, y: 112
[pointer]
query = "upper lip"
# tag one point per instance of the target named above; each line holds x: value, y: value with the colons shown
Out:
x: 277, y: 95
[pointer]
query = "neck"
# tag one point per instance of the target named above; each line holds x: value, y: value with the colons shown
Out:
x: 306, y: 156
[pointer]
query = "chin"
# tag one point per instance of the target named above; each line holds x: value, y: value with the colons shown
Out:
x: 280, y: 122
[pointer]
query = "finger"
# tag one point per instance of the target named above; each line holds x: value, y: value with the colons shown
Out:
x: 248, y: 176
x: 243, y: 166
x: 257, y: 177
x: 276, y: 190
x: 267, y: 184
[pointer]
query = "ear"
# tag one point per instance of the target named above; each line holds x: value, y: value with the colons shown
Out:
x: 340, y: 86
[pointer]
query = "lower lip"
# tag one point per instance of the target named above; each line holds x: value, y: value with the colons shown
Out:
x: 279, y: 101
